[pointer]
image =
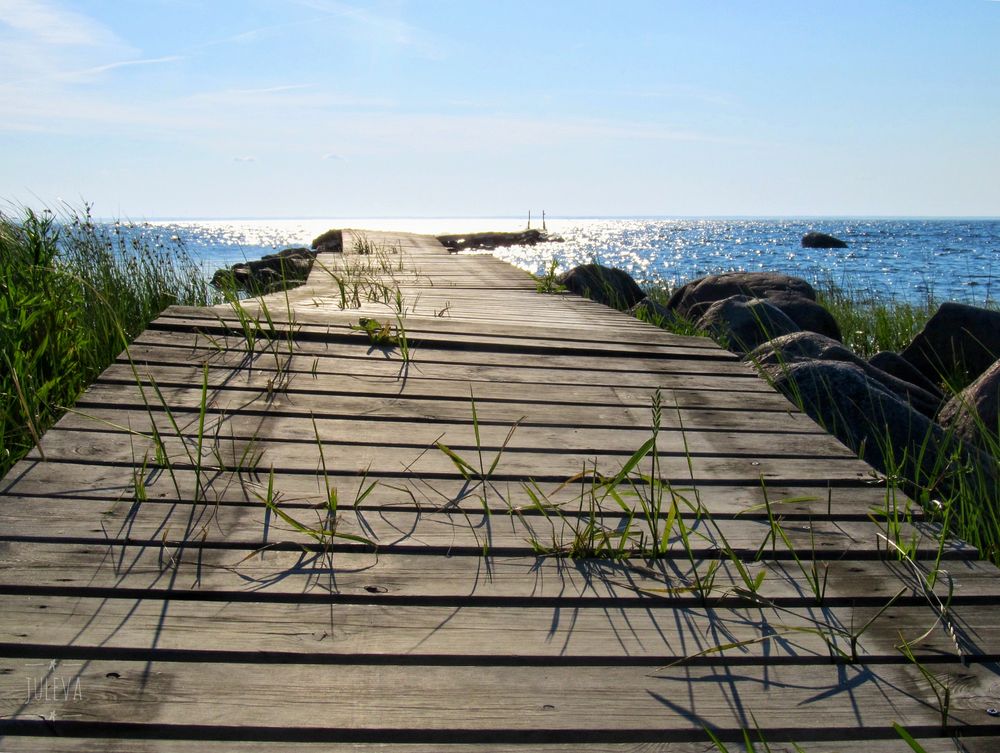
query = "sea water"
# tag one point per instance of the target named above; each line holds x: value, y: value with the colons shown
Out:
x: 904, y: 259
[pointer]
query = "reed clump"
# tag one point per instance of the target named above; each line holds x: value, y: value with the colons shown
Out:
x: 870, y: 322
x: 73, y: 293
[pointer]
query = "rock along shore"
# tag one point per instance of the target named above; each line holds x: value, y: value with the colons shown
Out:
x: 895, y: 409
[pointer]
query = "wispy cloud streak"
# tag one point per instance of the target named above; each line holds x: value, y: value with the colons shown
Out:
x: 380, y: 28
x: 99, y: 69
x: 50, y: 24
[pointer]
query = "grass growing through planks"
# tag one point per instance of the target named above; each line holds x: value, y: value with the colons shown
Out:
x: 370, y: 273
x: 476, y: 471
x: 385, y: 334
x: 325, y: 530
x: 547, y: 282
x: 655, y: 521
x: 72, y: 293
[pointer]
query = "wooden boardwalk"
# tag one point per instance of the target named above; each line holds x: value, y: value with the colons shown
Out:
x: 174, y: 576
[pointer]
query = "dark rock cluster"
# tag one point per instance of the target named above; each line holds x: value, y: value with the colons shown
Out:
x: 269, y: 274
x: 489, y: 240
x: 891, y: 409
x: 276, y: 272
x: 332, y: 241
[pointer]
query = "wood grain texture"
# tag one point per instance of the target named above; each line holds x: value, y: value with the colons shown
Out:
x: 26, y: 744
x: 151, y: 601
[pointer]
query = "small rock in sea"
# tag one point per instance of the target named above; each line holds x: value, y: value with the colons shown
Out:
x: 612, y: 287
x: 821, y: 240
x: 487, y: 241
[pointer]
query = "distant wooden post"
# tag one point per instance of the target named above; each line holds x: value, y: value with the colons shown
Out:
x: 544, y: 229
x: 529, y: 219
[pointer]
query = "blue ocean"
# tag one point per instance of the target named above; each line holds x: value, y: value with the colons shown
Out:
x: 902, y: 259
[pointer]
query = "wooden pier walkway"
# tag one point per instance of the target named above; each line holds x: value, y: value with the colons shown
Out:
x: 269, y: 529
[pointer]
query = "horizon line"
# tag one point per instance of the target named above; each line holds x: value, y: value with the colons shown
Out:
x: 245, y: 218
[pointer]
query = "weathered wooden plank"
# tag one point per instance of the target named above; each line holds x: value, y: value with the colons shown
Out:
x: 458, y: 339
x: 378, y: 377
x: 434, y: 703
x: 62, y: 744
x: 257, y: 526
x: 428, y: 354
x: 251, y: 454
x: 732, y: 414
x: 198, y: 353
x: 544, y: 636
x: 161, y: 570
x: 413, y: 384
x: 108, y: 483
x: 458, y: 436
x: 626, y: 330
x: 431, y: 409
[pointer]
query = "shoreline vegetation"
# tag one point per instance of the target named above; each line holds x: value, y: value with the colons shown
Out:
x: 74, y: 293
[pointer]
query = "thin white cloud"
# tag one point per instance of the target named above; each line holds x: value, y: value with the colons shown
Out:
x: 244, y: 159
x: 253, y: 35
x: 40, y: 40
x: 271, y: 89
x: 381, y: 29
x: 254, y: 121
x: 298, y: 97
x: 680, y: 92
x: 99, y: 69
x: 50, y: 24
x: 331, y: 156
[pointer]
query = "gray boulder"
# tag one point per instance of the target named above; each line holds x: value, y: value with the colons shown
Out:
x: 958, y: 342
x: 974, y: 413
x: 741, y: 324
x: 805, y: 312
x: 612, y: 287
x: 868, y: 418
x: 899, y: 367
x: 809, y: 346
x: 719, y: 287
x: 648, y: 310
x: 821, y: 240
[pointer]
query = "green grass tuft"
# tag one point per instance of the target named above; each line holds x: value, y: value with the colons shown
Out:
x: 72, y: 294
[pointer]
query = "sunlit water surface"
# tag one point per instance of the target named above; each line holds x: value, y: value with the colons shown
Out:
x: 905, y: 259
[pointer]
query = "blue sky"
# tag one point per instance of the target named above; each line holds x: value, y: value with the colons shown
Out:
x: 267, y: 108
